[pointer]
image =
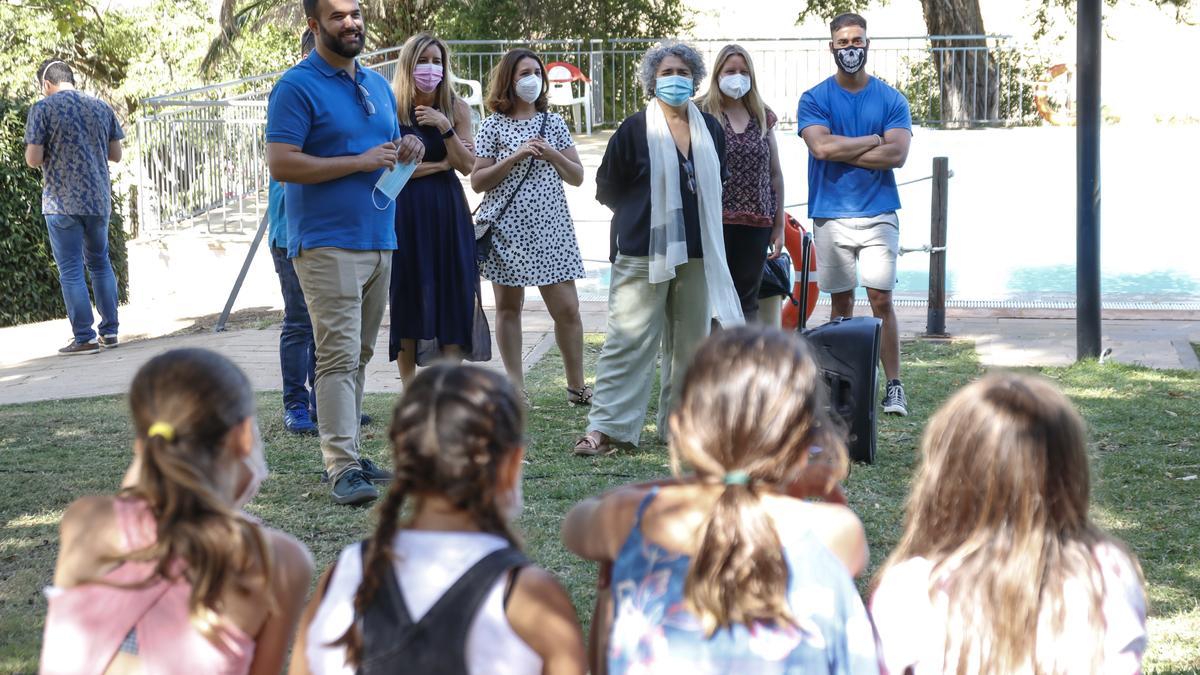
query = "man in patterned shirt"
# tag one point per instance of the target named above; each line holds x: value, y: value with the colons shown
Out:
x: 72, y: 136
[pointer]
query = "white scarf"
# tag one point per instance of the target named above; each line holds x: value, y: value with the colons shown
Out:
x: 668, y: 240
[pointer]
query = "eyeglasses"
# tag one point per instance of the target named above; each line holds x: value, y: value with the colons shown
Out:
x: 364, y: 98
x: 691, y: 175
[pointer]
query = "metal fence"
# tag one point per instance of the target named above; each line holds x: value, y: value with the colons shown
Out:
x: 202, y: 150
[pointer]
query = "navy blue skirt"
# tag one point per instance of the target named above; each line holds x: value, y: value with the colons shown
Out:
x: 435, y: 278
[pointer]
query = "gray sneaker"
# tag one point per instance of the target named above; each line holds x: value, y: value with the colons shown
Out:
x: 895, y: 402
x: 74, y: 348
x: 353, y: 488
x: 373, y: 472
x: 109, y: 341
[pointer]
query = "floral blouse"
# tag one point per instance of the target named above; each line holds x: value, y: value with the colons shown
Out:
x: 653, y: 631
x: 749, y: 197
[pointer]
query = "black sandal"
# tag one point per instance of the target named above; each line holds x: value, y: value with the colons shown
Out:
x: 581, y: 396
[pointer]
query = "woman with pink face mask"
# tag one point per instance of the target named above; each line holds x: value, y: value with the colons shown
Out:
x: 435, y: 305
x: 169, y: 575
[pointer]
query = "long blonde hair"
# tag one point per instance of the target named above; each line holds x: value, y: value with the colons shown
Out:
x: 999, y: 505
x: 752, y: 403
x: 405, y: 87
x: 711, y: 101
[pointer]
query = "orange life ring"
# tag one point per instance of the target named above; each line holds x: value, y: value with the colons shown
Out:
x: 1041, y: 97
x: 793, y: 236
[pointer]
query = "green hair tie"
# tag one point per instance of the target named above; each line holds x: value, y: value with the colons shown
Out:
x: 737, y: 478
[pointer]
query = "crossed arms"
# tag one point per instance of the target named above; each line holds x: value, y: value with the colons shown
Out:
x: 862, y: 151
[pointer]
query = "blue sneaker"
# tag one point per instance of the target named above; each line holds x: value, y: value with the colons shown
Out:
x: 297, y: 421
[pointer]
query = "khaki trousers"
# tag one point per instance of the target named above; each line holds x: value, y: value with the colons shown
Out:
x: 347, y: 293
x: 642, y: 317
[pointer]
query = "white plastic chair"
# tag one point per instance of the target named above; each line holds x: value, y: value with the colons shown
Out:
x: 473, y: 99
x: 562, y: 78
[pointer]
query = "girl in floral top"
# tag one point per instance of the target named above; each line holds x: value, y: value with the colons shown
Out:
x: 722, y: 571
x: 753, y: 195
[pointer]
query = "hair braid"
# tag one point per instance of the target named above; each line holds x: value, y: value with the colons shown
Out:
x: 376, y: 563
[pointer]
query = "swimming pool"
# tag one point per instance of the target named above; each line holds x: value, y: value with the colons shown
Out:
x: 1011, y: 222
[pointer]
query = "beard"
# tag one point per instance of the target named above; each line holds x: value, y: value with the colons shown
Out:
x: 348, y: 44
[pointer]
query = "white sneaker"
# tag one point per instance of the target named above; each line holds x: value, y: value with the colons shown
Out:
x: 895, y: 402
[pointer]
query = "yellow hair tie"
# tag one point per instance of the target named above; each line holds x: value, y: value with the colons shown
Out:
x: 166, y: 431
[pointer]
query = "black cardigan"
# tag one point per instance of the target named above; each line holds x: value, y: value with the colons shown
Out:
x: 623, y: 184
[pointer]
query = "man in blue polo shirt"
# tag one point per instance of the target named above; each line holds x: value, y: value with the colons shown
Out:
x: 858, y: 130
x: 331, y: 133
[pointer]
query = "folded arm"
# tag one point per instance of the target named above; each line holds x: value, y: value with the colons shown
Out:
x: 890, y: 155
x: 35, y: 155
x: 829, y: 147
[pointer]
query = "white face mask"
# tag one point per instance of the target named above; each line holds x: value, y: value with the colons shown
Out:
x: 512, y: 504
x: 529, y: 88
x: 256, y: 464
x: 734, y: 86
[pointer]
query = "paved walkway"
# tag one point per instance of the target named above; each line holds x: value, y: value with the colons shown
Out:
x: 1005, y: 341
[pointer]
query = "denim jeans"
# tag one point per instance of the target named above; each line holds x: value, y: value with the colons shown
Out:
x: 297, y: 350
x: 78, y: 242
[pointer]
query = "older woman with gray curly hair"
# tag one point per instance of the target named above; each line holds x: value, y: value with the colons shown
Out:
x: 661, y: 176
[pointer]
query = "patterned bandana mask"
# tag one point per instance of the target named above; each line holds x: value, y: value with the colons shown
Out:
x: 850, y: 59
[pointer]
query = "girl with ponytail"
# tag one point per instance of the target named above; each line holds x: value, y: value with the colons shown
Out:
x: 169, y: 575
x: 720, y: 570
x: 442, y: 586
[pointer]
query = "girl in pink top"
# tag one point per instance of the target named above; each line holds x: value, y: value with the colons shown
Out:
x: 169, y: 575
x: 999, y: 569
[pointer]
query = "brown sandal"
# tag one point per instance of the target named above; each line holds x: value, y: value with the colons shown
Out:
x: 581, y: 396
x: 593, y: 443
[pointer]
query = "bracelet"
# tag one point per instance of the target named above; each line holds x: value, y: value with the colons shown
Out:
x: 449, y: 132
x: 880, y: 140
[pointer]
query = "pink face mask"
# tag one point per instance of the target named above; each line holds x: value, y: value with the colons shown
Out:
x: 427, y: 76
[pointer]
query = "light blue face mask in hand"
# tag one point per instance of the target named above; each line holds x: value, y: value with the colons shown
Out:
x: 392, y: 182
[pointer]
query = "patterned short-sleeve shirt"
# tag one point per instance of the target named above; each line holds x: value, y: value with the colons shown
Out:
x: 74, y: 129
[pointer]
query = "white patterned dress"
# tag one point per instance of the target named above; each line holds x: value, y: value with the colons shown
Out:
x: 534, y: 243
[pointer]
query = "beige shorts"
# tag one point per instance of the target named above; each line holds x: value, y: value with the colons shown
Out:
x: 848, y: 248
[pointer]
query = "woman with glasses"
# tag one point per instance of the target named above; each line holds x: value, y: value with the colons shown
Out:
x: 435, y: 306
x: 661, y: 176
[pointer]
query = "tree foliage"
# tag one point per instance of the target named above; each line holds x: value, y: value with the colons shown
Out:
x: 390, y: 22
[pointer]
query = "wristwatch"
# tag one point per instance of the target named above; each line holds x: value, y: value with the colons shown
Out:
x: 448, y: 133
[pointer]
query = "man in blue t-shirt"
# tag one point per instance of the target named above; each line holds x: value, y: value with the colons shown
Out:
x: 73, y: 137
x: 332, y: 131
x: 858, y: 130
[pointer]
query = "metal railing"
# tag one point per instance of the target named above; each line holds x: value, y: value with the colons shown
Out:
x: 202, y: 152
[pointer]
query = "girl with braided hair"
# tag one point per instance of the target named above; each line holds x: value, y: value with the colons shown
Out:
x: 445, y: 589
x: 722, y: 570
x: 169, y: 575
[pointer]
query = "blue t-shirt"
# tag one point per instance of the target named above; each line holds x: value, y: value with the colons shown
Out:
x: 319, y: 109
x: 276, y: 216
x: 837, y: 189
x: 74, y: 129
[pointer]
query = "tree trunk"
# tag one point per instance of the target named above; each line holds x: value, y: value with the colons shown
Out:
x: 967, y: 75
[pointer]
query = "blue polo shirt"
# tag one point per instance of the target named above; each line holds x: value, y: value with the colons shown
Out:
x: 322, y: 111
x: 837, y: 189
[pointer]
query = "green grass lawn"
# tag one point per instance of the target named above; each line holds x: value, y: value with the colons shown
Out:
x: 1145, y: 446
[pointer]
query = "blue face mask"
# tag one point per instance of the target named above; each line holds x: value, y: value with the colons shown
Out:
x: 392, y: 182
x: 674, y: 90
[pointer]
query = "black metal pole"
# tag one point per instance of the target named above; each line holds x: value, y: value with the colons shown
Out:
x: 237, y: 285
x: 1087, y: 152
x: 935, y: 316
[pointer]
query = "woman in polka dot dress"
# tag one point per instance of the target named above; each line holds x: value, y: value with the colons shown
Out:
x: 533, y: 240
